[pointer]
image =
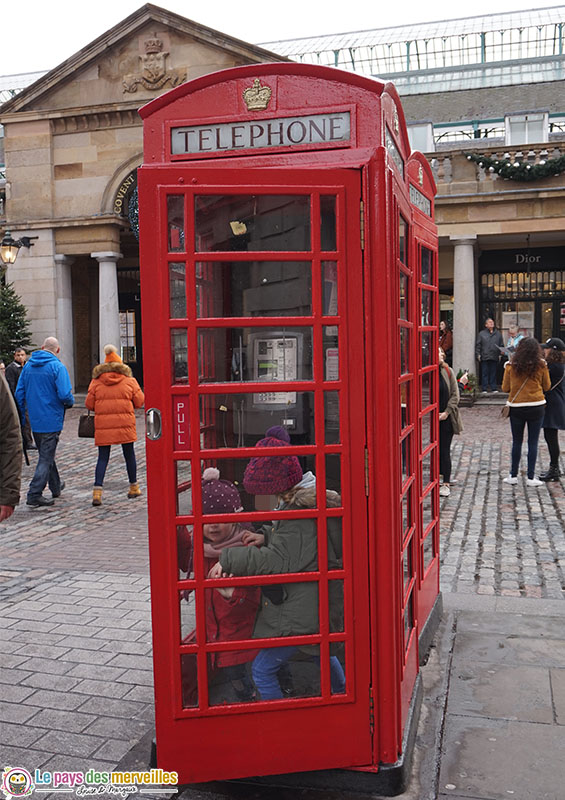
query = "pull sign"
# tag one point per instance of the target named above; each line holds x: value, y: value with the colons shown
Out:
x: 153, y: 424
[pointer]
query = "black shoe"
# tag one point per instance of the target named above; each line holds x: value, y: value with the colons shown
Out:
x: 552, y: 474
x: 39, y: 501
x: 60, y: 490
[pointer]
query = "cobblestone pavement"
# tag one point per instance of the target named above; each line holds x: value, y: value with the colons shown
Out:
x: 498, y: 539
x: 76, y: 671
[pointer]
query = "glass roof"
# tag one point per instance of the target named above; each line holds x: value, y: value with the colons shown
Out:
x: 10, y: 85
x: 536, y: 33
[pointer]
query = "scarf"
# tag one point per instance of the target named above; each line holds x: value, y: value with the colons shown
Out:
x: 233, y: 540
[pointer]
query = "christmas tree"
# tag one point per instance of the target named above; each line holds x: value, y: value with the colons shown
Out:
x: 14, y: 327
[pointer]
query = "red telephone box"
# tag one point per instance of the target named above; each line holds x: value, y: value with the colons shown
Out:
x: 289, y: 279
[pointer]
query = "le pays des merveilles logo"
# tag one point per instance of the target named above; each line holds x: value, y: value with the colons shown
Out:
x: 16, y: 782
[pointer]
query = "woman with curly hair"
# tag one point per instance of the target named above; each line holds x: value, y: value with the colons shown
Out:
x: 526, y: 378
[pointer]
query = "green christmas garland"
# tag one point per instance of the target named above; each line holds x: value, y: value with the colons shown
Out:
x: 514, y: 170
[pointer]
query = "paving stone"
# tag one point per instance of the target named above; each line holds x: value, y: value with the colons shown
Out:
x: 108, y: 707
x: 72, y: 744
x: 112, y: 727
x: 54, y: 719
x: 102, y: 688
x: 41, y: 680
x: 16, y: 712
x: 18, y: 736
x: 46, y: 698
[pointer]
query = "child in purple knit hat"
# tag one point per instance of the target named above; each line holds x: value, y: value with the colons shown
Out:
x: 287, y: 545
x: 230, y: 611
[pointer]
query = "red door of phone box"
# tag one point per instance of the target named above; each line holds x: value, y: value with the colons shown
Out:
x: 287, y: 238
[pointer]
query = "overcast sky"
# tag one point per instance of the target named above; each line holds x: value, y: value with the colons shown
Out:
x: 40, y: 35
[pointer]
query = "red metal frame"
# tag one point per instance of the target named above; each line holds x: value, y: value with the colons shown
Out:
x: 383, y: 564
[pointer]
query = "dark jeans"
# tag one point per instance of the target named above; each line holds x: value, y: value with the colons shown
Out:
x: 552, y: 439
x: 532, y: 416
x: 445, y: 437
x: 488, y: 374
x: 46, y: 471
x: 104, y: 457
x: 266, y: 666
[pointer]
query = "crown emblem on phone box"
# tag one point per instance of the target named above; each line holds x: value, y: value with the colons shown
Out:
x: 257, y: 97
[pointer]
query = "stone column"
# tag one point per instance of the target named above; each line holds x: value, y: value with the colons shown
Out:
x: 64, y: 312
x: 109, y: 310
x: 464, y: 306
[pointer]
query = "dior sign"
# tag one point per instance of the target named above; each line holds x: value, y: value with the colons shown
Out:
x: 526, y: 258
x: 253, y: 135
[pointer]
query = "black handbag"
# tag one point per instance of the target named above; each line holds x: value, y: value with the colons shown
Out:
x: 86, y: 426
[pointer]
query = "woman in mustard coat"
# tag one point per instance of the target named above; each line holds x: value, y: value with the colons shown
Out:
x: 113, y: 395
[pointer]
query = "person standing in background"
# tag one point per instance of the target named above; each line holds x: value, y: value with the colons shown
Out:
x: 10, y: 453
x: 13, y: 372
x: 488, y: 350
x: 554, y: 418
x: 446, y: 340
x: 449, y: 421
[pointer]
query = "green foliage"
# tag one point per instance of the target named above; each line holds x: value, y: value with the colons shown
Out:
x: 514, y: 170
x: 14, y: 326
x: 471, y: 387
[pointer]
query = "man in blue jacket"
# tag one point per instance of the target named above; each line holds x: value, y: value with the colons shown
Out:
x: 44, y: 389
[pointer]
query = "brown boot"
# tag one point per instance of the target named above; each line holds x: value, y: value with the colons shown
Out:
x: 97, y: 496
x: 134, y: 490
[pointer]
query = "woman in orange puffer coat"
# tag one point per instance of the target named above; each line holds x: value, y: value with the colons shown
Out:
x: 113, y: 395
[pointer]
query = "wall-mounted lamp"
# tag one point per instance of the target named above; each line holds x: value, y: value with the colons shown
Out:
x: 9, y: 247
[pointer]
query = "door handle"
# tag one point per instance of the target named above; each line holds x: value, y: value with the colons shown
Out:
x: 153, y: 424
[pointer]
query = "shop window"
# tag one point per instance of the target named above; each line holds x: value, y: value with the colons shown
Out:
x: 526, y: 128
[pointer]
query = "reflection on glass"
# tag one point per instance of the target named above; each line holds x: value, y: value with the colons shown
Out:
x: 407, y: 567
x: 179, y: 355
x: 335, y: 601
x: 255, y: 354
x: 428, y: 509
x: 189, y: 680
x: 187, y: 609
x: 253, y: 289
x: 402, y: 227
x: 328, y: 222
x: 252, y: 222
x: 329, y: 289
x: 427, y: 467
x: 428, y: 549
x: 331, y: 353
x: 427, y: 430
x: 404, y: 405
x: 429, y: 355
x: 406, y: 506
x: 239, y: 420
x: 229, y: 677
x: 335, y: 542
x: 175, y: 216
x: 285, y: 672
x: 427, y: 307
x: 427, y: 383
x: 404, y: 351
x: 177, y: 291
x: 183, y: 486
x: 403, y: 296
x: 408, y: 620
x: 426, y: 262
x: 331, y: 417
x: 185, y: 555
x: 333, y: 480
x: 406, y: 457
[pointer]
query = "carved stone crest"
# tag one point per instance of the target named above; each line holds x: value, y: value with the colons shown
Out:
x: 154, y: 73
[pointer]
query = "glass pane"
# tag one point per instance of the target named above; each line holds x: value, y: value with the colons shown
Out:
x: 426, y: 263
x: 183, y: 487
x: 177, y: 291
x: 179, y: 355
x: 335, y: 602
x: 331, y: 353
x: 230, y: 679
x: 404, y: 405
x: 427, y: 383
x: 402, y: 255
x: 429, y: 356
x: 406, y: 457
x: 404, y: 350
x: 403, y: 296
x: 240, y: 420
x: 428, y: 509
x: 254, y: 289
x: 427, y: 430
x: 406, y: 507
x: 175, y: 215
x: 181, y: 426
x: 255, y: 354
x: 333, y: 480
x: 329, y: 288
x: 427, y: 470
x: 407, y: 565
x: 189, y: 680
x: 328, y: 237
x: 252, y: 222
x: 408, y: 620
x: 335, y: 543
x: 185, y: 558
x: 427, y: 307
x: 428, y: 548
x: 331, y: 417
x: 187, y: 607
x: 285, y: 672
